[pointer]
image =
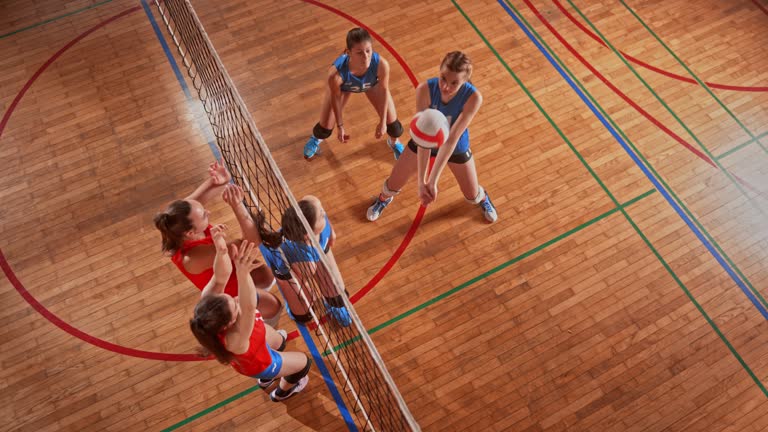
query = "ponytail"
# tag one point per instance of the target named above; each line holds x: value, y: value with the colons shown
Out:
x: 173, y: 223
x: 292, y: 226
x: 271, y: 239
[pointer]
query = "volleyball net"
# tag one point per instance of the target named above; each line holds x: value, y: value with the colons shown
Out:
x: 367, y: 387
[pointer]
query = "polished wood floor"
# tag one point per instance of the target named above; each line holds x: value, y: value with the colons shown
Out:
x: 569, y: 313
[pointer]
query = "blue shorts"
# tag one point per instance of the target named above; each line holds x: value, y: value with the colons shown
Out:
x: 274, y: 368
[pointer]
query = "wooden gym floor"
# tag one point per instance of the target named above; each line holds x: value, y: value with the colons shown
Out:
x: 606, y: 298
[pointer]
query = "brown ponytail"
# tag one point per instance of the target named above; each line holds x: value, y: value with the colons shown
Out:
x: 272, y: 239
x: 172, y: 224
x: 211, y: 315
x: 293, y: 229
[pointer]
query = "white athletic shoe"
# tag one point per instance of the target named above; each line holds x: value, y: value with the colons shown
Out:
x: 299, y: 386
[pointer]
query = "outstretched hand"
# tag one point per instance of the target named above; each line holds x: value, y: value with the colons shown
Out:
x: 218, y: 173
x: 246, y: 256
x: 233, y: 195
x: 219, y: 235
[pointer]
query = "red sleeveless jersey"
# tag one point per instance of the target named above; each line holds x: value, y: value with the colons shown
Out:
x: 257, y: 359
x: 201, y: 279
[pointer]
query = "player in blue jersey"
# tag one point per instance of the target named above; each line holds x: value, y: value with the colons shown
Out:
x: 358, y: 70
x: 452, y: 94
x: 303, y: 258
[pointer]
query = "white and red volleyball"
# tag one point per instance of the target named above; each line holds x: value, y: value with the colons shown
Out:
x: 430, y: 128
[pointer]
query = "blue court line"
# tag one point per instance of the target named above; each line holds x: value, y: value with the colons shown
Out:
x: 180, y: 77
x: 640, y: 164
x: 326, y: 376
x: 211, y: 143
x: 318, y: 359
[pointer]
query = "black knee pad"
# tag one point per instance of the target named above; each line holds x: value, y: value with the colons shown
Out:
x: 395, y: 129
x: 320, y: 132
x: 294, y: 378
x: 336, y: 301
x: 302, y: 319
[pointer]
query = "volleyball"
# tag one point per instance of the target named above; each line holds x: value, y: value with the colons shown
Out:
x: 430, y: 128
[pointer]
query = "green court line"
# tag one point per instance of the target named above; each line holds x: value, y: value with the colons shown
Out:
x: 54, y: 19
x: 623, y: 211
x: 532, y: 251
x: 492, y: 271
x: 701, y: 83
x: 231, y: 399
x: 672, y: 112
x: 643, y: 158
x: 741, y: 146
x: 431, y: 301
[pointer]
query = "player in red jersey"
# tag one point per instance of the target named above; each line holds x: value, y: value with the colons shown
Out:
x: 186, y: 233
x: 232, y: 330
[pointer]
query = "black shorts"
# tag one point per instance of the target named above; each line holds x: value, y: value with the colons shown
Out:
x: 456, y: 158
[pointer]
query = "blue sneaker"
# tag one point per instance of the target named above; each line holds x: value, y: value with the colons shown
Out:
x: 489, y: 211
x: 340, y: 314
x: 397, y: 147
x: 311, y: 147
x: 374, y: 211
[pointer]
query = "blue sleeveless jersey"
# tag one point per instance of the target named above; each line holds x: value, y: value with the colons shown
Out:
x: 274, y: 260
x: 453, y: 108
x: 355, y: 84
x: 301, y: 252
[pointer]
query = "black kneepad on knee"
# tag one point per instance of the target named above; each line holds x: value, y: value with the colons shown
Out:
x: 294, y: 378
x: 395, y: 129
x: 302, y: 319
x: 336, y: 301
x: 320, y: 132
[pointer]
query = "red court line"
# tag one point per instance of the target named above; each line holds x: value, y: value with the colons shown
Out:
x: 631, y: 102
x: 420, y: 213
x: 375, y: 35
x: 651, y: 67
x: 762, y: 8
x: 58, y: 322
x: 42, y: 310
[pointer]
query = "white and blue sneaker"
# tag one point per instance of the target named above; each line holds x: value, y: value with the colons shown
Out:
x: 397, y: 147
x: 489, y: 210
x: 311, y: 147
x: 374, y: 211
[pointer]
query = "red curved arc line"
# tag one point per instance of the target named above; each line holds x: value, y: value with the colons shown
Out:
x: 651, y: 67
x: 762, y: 8
x: 627, y: 99
x: 50, y: 316
x: 375, y: 35
x: 169, y: 356
x: 420, y: 213
x: 58, y: 322
x: 50, y: 61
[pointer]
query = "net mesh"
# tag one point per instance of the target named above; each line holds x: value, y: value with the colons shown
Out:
x: 370, y: 394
